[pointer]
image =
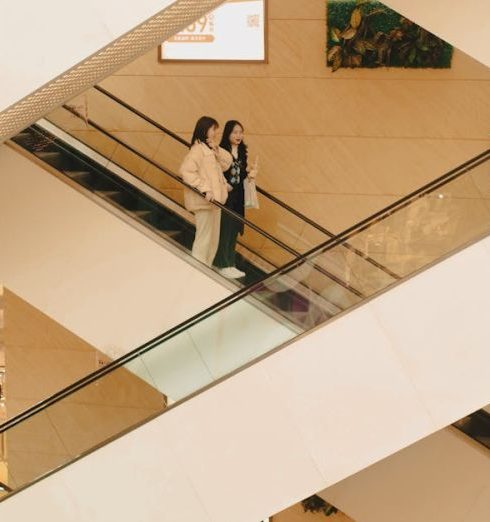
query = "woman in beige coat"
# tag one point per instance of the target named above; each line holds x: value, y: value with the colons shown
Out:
x: 202, y: 169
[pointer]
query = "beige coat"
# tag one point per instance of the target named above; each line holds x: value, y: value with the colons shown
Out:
x: 202, y: 170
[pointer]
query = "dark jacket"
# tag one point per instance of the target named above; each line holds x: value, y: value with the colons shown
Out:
x: 235, y: 176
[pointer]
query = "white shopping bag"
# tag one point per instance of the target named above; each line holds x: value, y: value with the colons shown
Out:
x: 251, y: 197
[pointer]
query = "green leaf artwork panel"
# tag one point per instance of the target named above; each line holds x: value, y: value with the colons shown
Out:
x: 367, y: 33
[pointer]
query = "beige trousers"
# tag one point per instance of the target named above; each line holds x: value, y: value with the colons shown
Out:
x: 207, y: 235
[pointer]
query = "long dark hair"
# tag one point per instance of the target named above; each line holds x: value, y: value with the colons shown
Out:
x: 225, y: 139
x: 204, y: 123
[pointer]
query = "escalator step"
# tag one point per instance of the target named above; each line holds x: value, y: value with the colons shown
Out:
x: 171, y: 233
x: 48, y: 155
x: 24, y: 138
x: 53, y: 158
x: 78, y: 174
x: 141, y: 214
x: 108, y: 194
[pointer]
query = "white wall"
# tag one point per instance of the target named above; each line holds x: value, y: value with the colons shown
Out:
x: 86, y: 268
x: 466, y: 25
x: 375, y: 380
x: 444, y: 477
x: 41, y: 40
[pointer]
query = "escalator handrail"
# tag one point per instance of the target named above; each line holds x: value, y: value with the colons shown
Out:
x: 246, y: 291
x: 223, y: 208
x: 266, y: 194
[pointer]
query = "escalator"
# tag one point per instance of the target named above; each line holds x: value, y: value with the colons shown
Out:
x: 415, y: 233
x: 442, y: 477
x: 476, y: 425
x: 135, y: 173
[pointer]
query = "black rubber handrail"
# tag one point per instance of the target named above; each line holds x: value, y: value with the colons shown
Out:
x: 247, y: 291
x: 266, y: 194
x: 223, y: 208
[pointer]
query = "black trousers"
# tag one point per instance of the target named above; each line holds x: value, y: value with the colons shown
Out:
x: 228, y: 235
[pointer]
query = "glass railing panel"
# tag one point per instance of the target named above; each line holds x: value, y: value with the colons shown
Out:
x: 170, y: 153
x: 109, y: 114
x: 130, y: 161
x: 80, y: 422
x: 311, y: 276
x: 350, y: 267
x: 286, y: 226
x: 132, y: 129
x: 164, y: 184
x: 431, y: 226
x: 83, y: 132
x: 34, y: 449
x: 126, y: 126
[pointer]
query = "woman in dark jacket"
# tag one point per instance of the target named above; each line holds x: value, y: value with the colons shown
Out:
x: 230, y: 227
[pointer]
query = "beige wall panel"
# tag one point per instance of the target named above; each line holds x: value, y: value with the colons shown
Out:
x: 254, y: 240
x: 129, y: 161
x: 143, y: 141
x: 291, y: 9
x: 66, y: 120
x: 399, y: 108
x: 31, y: 464
x: 336, y: 211
x: 390, y: 108
x: 275, y: 254
x: 286, y: 50
x: 355, y: 165
x: 42, y: 357
x: 178, y: 104
x: 176, y: 195
x: 83, y: 426
x: 170, y: 153
x: 282, y: 225
x: 160, y: 181
x: 100, y: 143
x: 36, y: 374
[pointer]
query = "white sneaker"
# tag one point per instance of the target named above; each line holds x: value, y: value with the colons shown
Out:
x: 238, y: 273
x: 229, y: 273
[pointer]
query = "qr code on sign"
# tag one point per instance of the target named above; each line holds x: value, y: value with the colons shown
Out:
x: 253, y: 21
